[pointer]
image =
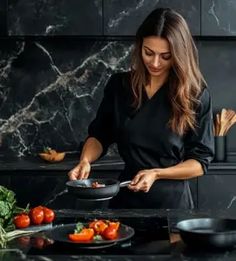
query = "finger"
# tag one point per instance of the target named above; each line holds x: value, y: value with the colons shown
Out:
x: 145, y: 189
x: 84, y: 173
x: 72, y: 175
x: 136, y: 179
x: 135, y: 188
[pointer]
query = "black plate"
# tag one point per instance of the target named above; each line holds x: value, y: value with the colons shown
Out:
x: 208, y: 232
x: 60, y: 234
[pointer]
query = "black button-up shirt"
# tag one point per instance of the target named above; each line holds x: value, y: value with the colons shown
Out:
x: 143, y: 137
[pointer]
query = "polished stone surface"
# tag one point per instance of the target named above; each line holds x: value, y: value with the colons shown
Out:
x: 27, y: 176
x: 217, y: 61
x: 39, y: 17
x: 56, y: 87
x: 3, y: 17
x: 33, y: 249
x: 50, y: 87
x: 123, y: 17
x: 218, y: 17
x: 220, y: 195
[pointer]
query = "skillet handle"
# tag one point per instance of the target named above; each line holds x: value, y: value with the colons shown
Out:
x: 125, y: 183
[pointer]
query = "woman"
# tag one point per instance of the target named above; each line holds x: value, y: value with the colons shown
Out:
x: 160, y: 116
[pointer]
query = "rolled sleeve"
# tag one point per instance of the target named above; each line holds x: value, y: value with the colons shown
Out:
x: 101, y: 127
x: 199, y: 143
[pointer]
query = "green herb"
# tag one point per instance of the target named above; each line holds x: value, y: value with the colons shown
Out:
x: 78, y: 228
x: 98, y: 237
x: 47, y: 149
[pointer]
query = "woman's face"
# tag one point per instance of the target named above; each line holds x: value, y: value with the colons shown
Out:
x: 156, y: 55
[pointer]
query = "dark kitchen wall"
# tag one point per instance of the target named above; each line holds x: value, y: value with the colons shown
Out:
x: 56, y: 57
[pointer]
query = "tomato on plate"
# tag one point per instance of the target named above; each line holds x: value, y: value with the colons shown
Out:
x: 86, y: 234
x: 98, y: 226
x: 115, y: 225
x: 21, y: 221
x: 111, y: 232
x: 49, y: 215
x: 37, y: 215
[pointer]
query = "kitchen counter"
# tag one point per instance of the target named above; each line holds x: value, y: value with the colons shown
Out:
x: 170, y: 247
x: 17, y: 165
x: 27, y: 176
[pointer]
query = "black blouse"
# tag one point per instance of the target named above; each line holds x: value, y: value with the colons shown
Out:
x: 143, y: 138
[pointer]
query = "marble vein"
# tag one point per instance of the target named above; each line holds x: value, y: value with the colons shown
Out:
x: 73, y: 82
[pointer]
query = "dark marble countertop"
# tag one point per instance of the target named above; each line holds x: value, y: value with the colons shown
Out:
x: 177, y: 250
x: 18, y: 164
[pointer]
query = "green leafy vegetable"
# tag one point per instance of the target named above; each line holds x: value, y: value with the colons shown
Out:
x: 8, y: 210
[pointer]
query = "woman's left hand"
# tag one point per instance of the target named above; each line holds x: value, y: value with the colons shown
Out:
x: 143, y: 180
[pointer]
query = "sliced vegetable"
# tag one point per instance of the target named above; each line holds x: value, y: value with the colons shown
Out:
x: 86, y: 234
x: 98, y: 225
x: 110, y: 233
x: 115, y: 225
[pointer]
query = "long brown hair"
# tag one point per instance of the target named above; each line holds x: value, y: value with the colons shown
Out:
x: 185, y: 79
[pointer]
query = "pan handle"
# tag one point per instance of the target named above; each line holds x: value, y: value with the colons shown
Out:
x: 125, y: 183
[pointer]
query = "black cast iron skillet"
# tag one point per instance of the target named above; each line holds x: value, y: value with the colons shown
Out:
x: 208, y: 232
x: 82, y: 189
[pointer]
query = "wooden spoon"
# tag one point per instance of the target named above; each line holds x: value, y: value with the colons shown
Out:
x: 217, y: 124
x: 230, y: 123
x: 223, y: 122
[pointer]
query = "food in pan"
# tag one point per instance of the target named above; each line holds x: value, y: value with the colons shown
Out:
x: 95, y: 184
x: 95, y: 230
x: 51, y: 155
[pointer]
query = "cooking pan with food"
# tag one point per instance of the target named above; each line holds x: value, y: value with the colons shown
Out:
x: 95, y: 188
x: 208, y: 232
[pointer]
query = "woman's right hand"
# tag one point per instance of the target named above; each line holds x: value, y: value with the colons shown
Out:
x: 81, y: 171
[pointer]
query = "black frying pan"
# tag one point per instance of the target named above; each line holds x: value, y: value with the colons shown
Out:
x: 83, y: 188
x: 208, y: 232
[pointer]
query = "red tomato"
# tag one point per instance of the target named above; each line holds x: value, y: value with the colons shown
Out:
x: 21, y: 220
x: 37, y: 215
x: 110, y: 233
x: 86, y: 234
x: 49, y: 215
x: 115, y: 225
x: 98, y: 226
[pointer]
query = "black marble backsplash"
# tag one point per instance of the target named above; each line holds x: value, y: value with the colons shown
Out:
x: 50, y: 90
x: 50, y: 17
x: 56, y: 57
